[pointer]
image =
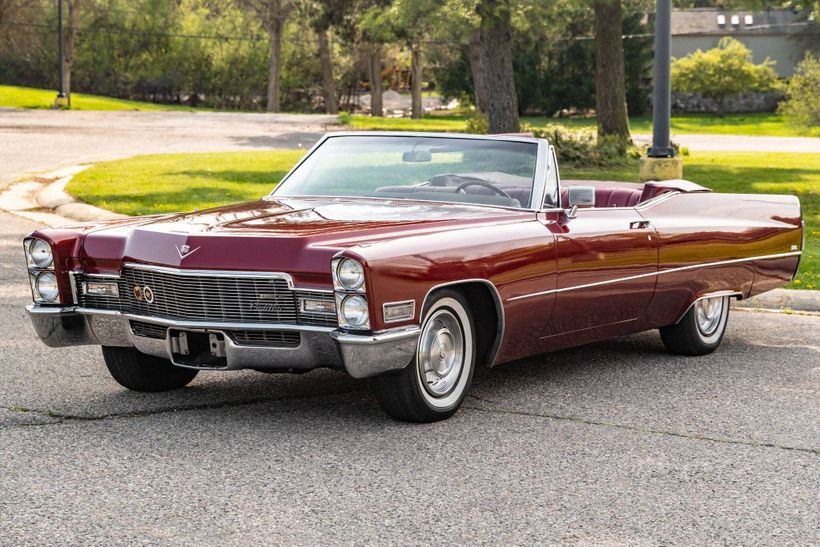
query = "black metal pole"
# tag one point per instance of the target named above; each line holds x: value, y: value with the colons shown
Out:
x: 662, y: 94
x: 60, y: 58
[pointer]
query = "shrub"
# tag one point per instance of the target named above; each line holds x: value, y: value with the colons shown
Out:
x: 582, y: 149
x: 722, y: 72
x: 802, y: 108
x: 477, y: 123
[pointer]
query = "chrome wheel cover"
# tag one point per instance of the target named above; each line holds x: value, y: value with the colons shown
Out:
x: 440, y: 357
x: 708, y: 314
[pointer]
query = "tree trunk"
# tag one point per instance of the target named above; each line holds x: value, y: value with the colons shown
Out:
x: 500, y: 102
x: 477, y: 69
x: 610, y: 89
x: 328, y: 83
x: 415, y: 70
x: 68, y: 47
x: 375, y: 75
x: 274, y: 28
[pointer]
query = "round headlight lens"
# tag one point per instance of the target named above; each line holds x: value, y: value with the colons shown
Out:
x: 40, y: 253
x: 354, y: 311
x: 350, y: 274
x: 45, y: 285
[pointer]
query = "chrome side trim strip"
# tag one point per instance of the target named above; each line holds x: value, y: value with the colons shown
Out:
x: 498, y: 306
x: 661, y: 272
x: 738, y: 294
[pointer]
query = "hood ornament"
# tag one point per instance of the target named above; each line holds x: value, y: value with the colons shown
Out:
x: 185, y: 250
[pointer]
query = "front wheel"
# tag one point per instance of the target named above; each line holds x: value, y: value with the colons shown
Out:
x: 434, y: 385
x: 701, y: 329
x: 139, y: 372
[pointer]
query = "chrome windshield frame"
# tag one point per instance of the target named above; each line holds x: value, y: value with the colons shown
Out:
x: 539, y: 176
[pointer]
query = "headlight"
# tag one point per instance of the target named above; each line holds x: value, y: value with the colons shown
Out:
x: 45, y: 286
x: 39, y: 254
x: 350, y: 274
x: 354, y: 311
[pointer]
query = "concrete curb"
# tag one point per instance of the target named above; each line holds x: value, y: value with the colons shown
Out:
x: 784, y: 299
x: 44, y: 200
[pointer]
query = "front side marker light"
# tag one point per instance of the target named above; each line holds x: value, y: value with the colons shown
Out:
x: 45, y: 286
x: 399, y: 311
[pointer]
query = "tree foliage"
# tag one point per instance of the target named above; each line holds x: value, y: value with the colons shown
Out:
x: 722, y: 72
x: 802, y: 108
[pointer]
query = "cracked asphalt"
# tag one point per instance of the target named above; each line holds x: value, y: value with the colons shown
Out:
x: 613, y: 443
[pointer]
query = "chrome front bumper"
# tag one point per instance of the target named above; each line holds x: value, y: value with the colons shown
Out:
x: 361, y: 356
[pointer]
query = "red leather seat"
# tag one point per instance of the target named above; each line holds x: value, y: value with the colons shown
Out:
x: 609, y: 197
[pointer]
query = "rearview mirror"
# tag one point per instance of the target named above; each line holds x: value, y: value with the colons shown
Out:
x: 416, y: 156
x: 581, y: 196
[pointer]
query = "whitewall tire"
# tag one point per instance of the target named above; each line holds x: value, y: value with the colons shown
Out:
x: 434, y: 384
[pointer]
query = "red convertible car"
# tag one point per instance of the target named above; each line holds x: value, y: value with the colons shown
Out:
x: 411, y: 259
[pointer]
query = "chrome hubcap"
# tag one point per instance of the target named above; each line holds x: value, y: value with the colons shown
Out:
x: 708, y: 312
x: 441, y: 353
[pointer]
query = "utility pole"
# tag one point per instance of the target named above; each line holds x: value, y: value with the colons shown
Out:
x: 662, y: 93
x: 61, y: 99
x: 661, y: 163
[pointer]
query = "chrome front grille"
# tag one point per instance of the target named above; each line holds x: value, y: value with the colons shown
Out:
x: 187, y: 296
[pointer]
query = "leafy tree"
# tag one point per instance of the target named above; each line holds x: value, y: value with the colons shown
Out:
x: 802, y: 108
x: 272, y: 14
x: 722, y: 72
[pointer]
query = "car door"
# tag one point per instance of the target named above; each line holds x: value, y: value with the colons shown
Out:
x: 606, y: 272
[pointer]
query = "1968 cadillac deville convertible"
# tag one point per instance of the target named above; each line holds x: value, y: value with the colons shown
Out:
x: 412, y: 259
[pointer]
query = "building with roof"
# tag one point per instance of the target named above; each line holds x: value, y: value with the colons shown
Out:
x: 783, y: 35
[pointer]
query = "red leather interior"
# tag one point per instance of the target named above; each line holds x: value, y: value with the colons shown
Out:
x: 610, y: 197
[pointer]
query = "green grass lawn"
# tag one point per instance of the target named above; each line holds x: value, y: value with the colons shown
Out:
x: 765, y: 124
x: 29, y: 97
x: 175, y: 182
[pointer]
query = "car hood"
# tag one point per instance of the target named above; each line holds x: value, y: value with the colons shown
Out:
x: 290, y: 234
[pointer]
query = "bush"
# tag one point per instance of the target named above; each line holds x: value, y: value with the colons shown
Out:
x: 582, y: 149
x: 802, y: 108
x: 477, y: 123
x: 722, y: 72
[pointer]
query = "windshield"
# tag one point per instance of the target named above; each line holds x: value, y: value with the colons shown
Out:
x: 485, y: 171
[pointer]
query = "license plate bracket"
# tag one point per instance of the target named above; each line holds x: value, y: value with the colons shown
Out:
x: 199, y: 349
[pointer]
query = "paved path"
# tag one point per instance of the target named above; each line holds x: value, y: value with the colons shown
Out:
x: 741, y: 143
x: 33, y: 141
x: 614, y: 443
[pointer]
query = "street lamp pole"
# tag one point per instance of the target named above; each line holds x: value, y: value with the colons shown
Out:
x: 662, y: 94
x: 61, y: 99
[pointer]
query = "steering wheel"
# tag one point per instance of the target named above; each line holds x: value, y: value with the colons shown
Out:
x: 478, y: 182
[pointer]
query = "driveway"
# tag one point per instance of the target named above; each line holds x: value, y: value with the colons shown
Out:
x: 740, y: 143
x: 613, y: 443
x: 33, y: 141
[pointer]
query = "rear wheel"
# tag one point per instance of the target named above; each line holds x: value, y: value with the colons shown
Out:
x: 139, y: 372
x: 701, y: 329
x: 434, y: 385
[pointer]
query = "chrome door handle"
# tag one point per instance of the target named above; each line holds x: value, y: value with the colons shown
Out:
x: 639, y: 225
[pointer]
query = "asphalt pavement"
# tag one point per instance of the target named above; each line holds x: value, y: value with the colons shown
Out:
x: 612, y: 443
x: 33, y: 141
